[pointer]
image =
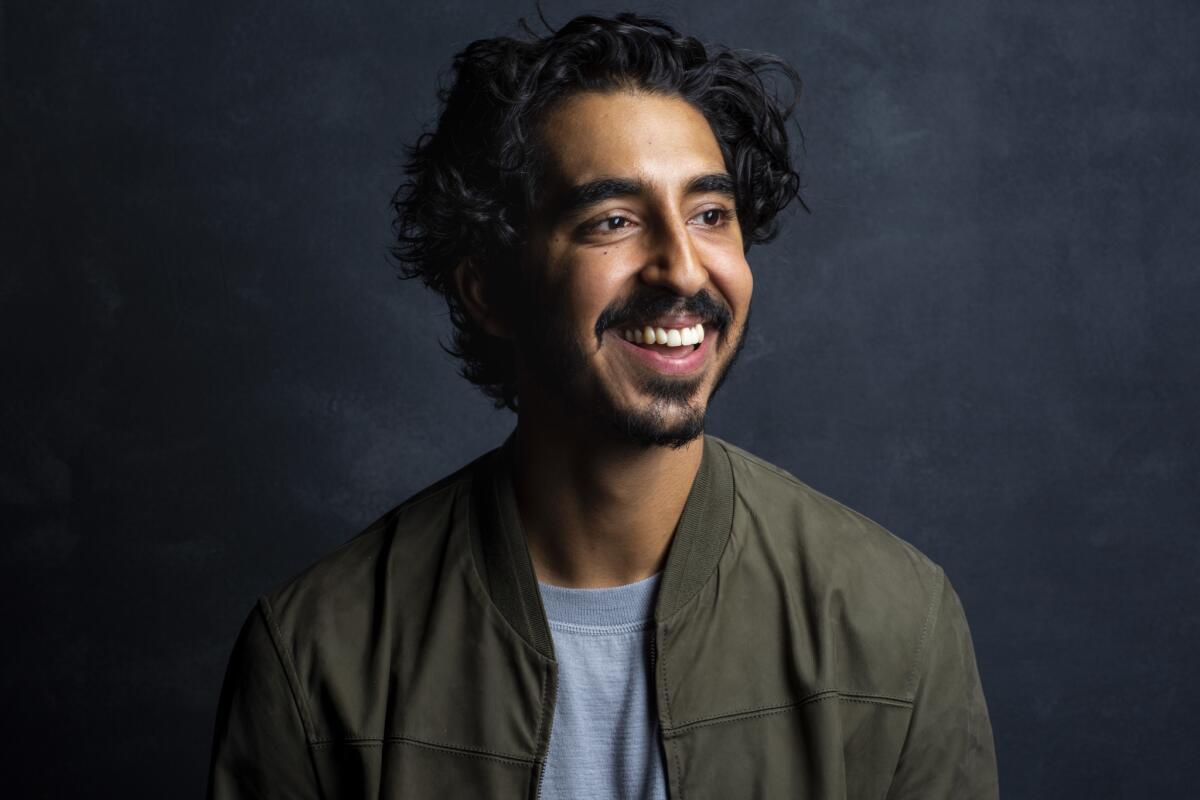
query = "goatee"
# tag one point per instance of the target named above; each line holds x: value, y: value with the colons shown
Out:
x: 673, y: 416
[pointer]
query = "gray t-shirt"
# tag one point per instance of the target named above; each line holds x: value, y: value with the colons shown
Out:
x: 604, y: 740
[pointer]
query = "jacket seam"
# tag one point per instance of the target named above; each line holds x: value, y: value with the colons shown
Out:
x: 678, y: 769
x: 931, y: 615
x: 289, y: 668
x: 289, y: 671
x: 771, y: 710
x: 542, y: 713
x: 670, y: 717
x: 379, y: 741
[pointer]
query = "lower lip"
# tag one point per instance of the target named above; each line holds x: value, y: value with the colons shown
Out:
x: 661, y: 363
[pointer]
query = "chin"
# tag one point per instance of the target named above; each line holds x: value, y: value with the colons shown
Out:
x: 651, y: 433
x: 672, y: 419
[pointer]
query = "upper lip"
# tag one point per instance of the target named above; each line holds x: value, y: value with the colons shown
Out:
x: 666, y: 321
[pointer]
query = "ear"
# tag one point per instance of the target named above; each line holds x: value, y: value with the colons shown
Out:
x: 480, y: 299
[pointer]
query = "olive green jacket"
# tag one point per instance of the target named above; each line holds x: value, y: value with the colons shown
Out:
x: 799, y: 650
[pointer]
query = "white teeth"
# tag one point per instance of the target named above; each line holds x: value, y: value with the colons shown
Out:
x: 671, y: 337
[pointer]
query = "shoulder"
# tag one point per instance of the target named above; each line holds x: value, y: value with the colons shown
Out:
x: 338, y: 628
x: 873, y: 587
x: 835, y: 537
x: 397, y: 553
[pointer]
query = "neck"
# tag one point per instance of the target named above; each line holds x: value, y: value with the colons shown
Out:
x: 597, y: 510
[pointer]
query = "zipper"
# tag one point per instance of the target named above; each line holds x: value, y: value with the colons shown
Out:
x: 541, y: 774
x: 653, y: 662
x: 541, y: 767
x: 662, y: 744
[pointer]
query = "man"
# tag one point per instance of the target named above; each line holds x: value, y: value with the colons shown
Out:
x: 611, y: 604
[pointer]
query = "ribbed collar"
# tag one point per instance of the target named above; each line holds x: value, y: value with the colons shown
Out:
x: 610, y: 607
x: 502, y: 555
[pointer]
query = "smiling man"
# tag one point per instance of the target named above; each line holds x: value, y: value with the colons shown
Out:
x: 611, y: 604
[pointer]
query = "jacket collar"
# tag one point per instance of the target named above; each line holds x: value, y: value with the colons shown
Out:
x: 502, y: 556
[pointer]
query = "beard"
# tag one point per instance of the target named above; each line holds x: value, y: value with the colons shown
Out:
x: 650, y: 427
x: 548, y: 344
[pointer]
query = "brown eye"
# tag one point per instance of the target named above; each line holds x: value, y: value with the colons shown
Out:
x: 614, y: 223
x: 713, y: 217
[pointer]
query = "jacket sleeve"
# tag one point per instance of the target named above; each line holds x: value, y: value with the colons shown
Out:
x: 259, y: 746
x: 948, y: 753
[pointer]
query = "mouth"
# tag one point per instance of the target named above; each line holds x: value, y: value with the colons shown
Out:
x: 676, y: 350
x: 670, y: 338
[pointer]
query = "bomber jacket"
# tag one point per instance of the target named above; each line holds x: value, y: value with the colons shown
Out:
x: 799, y: 650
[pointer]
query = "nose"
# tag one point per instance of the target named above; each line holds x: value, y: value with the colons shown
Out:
x: 673, y: 261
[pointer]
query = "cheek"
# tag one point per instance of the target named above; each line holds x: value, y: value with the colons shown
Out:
x: 583, y: 284
x: 597, y: 283
x: 735, y: 281
x: 749, y: 283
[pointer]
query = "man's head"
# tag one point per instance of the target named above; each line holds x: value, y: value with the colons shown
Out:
x: 581, y: 192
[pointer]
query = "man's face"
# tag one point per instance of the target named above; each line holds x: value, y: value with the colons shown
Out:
x: 636, y: 236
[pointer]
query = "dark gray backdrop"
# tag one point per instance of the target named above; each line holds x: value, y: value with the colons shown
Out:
x: 984, y: 337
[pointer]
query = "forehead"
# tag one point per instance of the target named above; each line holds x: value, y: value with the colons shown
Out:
x: 661, y: 139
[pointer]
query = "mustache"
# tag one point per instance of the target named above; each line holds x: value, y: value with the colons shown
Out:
x: 644, y: 306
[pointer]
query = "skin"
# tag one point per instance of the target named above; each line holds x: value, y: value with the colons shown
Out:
x: 598, y: 505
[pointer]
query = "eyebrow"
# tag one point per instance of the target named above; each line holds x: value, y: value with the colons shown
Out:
x: 577, y: 198
x: 588, y: 194
x: 715, y: 183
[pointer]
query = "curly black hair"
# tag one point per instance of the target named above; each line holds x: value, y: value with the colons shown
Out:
x: 471, y: 183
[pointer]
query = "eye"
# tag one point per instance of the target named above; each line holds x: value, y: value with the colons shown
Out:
x: 713, y: 217
x: 610, y: 227
x: 615, y: 222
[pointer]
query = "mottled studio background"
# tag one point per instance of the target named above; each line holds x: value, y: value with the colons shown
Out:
x: 985, y: 337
